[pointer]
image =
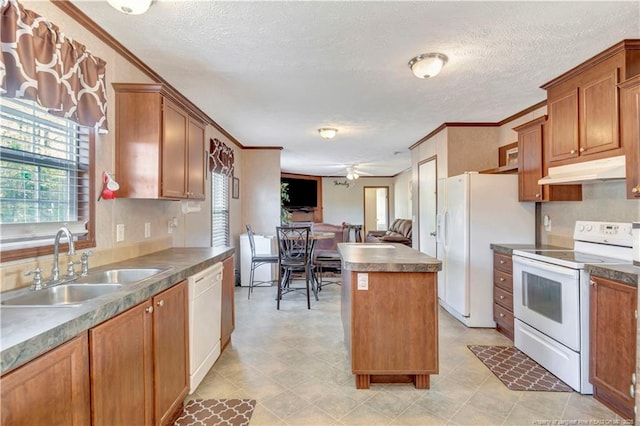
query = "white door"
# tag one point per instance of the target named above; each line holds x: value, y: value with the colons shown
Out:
x: 440, y: 237
x: 427, y: 207
x: 456, y: 223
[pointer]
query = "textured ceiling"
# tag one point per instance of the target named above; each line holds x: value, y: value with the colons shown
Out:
x: 271, y: 73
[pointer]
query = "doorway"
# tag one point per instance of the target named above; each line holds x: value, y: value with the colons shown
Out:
x: 427, y: 206
x: 376, y: 208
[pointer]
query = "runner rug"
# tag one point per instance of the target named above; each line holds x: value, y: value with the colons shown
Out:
x: 216, y: 412
x: 516, y: 370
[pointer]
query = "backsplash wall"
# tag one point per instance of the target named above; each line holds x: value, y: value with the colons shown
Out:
x: 600, y: 201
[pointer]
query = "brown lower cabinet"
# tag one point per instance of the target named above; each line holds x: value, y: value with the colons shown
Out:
x: 53, y: 389
x: 612, y: 344
x: 139, y: 370
x: 503, y: 293
x: 228, y: 302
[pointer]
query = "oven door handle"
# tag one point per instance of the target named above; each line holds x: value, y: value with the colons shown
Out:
x: 545, y: 266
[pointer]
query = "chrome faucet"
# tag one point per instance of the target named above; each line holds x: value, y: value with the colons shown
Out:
x: 55, y: 272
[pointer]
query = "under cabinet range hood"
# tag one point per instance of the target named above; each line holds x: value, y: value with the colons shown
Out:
x: 586, y: 171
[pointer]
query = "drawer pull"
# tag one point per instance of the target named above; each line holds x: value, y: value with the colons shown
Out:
x: 160, y: 303
x: 501, y: 315
x: 573, y: 151
x: 632, y: 391
x: 501, y: 297
x: 149, y: 309
x: 502, y: 279
x: 633, y: 378
x: 502, y: 262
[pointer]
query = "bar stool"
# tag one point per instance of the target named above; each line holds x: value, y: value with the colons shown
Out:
x: 258, y: 260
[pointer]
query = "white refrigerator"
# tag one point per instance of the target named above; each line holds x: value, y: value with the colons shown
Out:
x: 475, y: 210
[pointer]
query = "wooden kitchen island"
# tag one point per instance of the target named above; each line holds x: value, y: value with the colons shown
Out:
x: 390, y: 313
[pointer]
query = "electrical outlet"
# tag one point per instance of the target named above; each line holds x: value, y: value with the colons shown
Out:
x: 147, y: 230
x: 119, y: 232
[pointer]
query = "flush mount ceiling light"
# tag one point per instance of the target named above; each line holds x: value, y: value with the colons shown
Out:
x: 131, y: 7
x: 328, y: 132
x: 427, y: 65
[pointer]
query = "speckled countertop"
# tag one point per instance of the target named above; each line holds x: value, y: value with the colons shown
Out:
x: 28, y: 332
x: 627, y: 274
x: 509, y: 248
x: 385, y: 258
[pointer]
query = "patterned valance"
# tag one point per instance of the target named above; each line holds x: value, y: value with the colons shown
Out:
x: 220, y: 158
x: 40, y: 63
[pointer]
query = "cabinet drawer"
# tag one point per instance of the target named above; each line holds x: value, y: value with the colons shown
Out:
x: 503, y: 298
x: 503, y: 280
x: 503, y: 318
x: 502, y: 262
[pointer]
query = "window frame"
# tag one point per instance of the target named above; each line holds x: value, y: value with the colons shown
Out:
x: 84, y: 241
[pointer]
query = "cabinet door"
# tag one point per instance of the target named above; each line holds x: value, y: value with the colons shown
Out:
x: 563, y: 126
x: 612, y: 343
x: 530, y: 159
x: 630, y: 133
x: 174, y: 141
x: 122, y: 369
x: 196, y: 166
x: 171, y: 346
x: 599, y: 114
x: 228, y: 303
x: 50, y: 390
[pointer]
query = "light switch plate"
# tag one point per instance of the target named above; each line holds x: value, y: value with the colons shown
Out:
x: 363, y: 281
x: 119, y: 232
x: 147, y: 230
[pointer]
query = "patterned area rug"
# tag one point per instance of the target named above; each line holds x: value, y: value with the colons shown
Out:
x: 217, y: 412
x: 516, y: 370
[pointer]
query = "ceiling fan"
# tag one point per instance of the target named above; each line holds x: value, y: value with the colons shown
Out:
x: 352, y: 172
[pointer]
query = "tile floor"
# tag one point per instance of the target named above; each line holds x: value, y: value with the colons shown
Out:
x: 295, y: 364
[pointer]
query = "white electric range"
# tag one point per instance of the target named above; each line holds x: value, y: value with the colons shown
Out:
x: 551, y: 298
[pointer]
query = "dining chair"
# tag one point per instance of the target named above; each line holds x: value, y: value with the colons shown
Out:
x: 258, y: 260
x: 294, y: 254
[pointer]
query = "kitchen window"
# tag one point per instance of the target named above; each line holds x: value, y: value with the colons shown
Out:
x: 220, y: 210
x: 45, y: 179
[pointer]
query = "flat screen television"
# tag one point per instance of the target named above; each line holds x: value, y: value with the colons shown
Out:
x: 302, y: 193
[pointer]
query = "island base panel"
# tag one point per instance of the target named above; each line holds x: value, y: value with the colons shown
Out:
x: 420, y: 381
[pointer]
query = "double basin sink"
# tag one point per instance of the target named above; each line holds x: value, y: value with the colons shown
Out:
x: 86, y: 288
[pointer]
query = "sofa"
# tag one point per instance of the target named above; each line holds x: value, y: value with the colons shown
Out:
x: 400, y: 231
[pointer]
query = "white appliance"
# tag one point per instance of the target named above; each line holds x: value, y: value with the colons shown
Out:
x: 264, y: 245
x: 476, y: 210
x: 205, y: 315
x: 551, y: 298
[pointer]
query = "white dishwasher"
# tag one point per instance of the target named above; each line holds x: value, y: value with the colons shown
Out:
x: 205, y: 303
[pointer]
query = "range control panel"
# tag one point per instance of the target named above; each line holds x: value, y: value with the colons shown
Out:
x: 614, y: 233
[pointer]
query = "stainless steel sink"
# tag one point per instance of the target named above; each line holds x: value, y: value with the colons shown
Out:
x: 64, y: 295
x: 121, y: 275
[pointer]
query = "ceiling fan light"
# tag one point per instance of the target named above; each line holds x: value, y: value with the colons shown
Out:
x: 328, y: 132
x: 427, y: 65
x: 131, y: 7
x: 350, y: 176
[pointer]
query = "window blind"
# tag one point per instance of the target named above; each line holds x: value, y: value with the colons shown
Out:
x: 220, y: 210
x: 44, y: 173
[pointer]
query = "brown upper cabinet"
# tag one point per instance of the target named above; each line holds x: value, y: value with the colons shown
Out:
x: 160, y: 150
x: 584, y: 106
x: 532, y: 167
x: 630, y: 132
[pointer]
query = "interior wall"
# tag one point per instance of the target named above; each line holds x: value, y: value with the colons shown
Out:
x: 402, y: 188
x: 472, y: 149
x: 343, y: 200
x: 260, y: 191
